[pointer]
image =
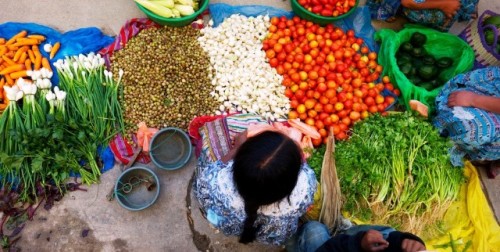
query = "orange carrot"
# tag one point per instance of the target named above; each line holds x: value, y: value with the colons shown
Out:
x: 10, y: 54
x: 8, y: 60
x: 2, y: 83
x: 27, y: 64
x: 9, y: 80
x: 31, y: 55
x: 12, y: 48
x: 3, y: 106
x: 54, y: 50
x: 35, y: 48
x: 38, y: 61
x: 2, y: 41
x: 3, y: 49
x: 46, y: 64
x: 20, y: 52
x: 18, y: 74
x: 21, y: 34
x: 38, y: 37
x: 23, y: 58
x: 27, y: 41
x: 11, y: 69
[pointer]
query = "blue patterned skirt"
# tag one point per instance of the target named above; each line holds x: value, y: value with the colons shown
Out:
x: 475, y: 132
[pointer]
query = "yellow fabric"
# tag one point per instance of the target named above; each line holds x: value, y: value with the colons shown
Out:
x: 469, y: 219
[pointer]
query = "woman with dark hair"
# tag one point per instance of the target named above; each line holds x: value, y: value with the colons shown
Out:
x: 265, y: 170
x: 258, y: 190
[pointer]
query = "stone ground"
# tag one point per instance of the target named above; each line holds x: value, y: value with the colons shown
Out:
x: 87, y: 221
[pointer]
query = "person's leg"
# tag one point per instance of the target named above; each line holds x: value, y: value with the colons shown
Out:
x: 308, y: 238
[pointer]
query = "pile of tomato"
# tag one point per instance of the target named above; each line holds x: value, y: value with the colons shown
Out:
x: 328, y: 8
x: 330, y: 77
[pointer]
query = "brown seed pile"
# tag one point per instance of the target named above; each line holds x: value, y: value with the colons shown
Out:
x: 166, y: 81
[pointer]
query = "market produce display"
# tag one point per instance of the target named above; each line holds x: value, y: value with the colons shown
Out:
x: 166, y: 80
x: 392, y: 168
x: 170, y: 8
x: 396, y: 170
x: 20, y: 54
x: 328, y: 74
x: 242, y: 79
x: 421, y: 68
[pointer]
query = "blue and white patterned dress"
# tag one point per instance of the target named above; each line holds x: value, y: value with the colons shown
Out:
x: 224, y: 207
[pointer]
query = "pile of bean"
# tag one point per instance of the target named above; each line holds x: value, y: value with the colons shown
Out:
x: 166, y: 81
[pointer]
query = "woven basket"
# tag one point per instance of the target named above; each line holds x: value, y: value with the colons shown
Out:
x: 474, y: 35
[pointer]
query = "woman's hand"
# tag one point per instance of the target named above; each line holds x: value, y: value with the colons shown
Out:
x: 462, y: 98
x: 409, y: 245
x: 373, y: 241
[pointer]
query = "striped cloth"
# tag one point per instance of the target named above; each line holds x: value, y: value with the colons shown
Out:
x: 217, y: 136
x: 475, y: 132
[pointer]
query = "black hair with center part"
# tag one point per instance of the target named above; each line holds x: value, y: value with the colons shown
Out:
x: 265, y: 170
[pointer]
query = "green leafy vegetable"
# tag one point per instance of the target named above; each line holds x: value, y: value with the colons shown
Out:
x: 395, y: 170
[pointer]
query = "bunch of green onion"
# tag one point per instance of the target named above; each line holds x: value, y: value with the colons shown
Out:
x: 92, y: 94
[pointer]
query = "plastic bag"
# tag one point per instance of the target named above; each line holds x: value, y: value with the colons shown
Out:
x: 220, y: 11
x: 83, y: 40
x: 469, y: 220
x: 438, y: 44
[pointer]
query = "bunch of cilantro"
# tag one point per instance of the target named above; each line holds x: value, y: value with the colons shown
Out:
x: 395, y: 170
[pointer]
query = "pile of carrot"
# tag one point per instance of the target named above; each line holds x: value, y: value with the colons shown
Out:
x: 19, y: 54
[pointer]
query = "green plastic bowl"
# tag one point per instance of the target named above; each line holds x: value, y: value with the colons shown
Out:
x: 137, y: 188
x: 177, y: 22
x: 318, y: 19
x: 170, y: 148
